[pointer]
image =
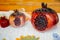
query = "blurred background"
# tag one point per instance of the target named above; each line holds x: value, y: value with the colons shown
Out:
x: 29, y: 5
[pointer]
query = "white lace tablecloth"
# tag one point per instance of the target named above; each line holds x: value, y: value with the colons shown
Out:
x: 11, y: 33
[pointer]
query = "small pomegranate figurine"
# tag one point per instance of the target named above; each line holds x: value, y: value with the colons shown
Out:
x: 44, y: 18
x: 4, y: 22
x: 17, y: 19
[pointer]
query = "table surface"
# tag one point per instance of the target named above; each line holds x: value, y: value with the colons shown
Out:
x: 11, y: 33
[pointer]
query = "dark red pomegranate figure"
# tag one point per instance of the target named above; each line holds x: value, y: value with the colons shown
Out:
x: 4, y: 22
x: 44, y: 18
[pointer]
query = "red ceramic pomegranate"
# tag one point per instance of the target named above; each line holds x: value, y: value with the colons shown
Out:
x: 4, y: 22
x: 17, y: 19
x: 44, y: 18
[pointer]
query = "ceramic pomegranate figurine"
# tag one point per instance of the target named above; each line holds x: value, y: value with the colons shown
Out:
x: 17, y: 19
x: 4, y: 22
x: 44, y: 18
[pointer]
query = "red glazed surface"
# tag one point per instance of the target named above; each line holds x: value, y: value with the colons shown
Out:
x: 51, y: 18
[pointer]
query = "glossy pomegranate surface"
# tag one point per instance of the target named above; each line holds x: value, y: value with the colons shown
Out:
x: 44, y: 18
